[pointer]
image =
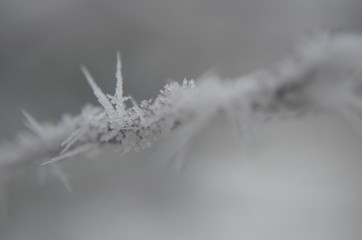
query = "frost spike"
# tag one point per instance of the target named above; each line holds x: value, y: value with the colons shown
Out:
x: 102, y: 98
x: 59, y: 172
x: 119, y: 85
x: 71, y: 153
x: 71, y: 140
x: 119, y: 78
x: 33, y: 124
x: 71, y: 137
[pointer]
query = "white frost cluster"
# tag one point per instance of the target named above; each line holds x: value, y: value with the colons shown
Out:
x: 325, y: 73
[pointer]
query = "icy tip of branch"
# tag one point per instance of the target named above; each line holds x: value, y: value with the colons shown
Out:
x: 101, y: 97
x: 119, y: 77
x: 118, y: 95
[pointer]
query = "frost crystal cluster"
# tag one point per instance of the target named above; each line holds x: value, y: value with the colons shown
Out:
x: 324, y: 74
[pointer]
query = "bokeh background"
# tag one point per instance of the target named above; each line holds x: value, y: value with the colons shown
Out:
x: 304, y: 186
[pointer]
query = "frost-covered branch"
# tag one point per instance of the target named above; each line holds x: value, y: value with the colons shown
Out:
x: 324, y: 74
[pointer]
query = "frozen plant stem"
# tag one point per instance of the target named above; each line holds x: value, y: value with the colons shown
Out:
x: 324, y: 74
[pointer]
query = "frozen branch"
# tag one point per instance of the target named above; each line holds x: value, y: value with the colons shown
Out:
x: 324, y: 74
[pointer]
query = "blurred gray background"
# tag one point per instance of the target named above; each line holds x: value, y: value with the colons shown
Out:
x: 304, y: 182
x: 43, y: 43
